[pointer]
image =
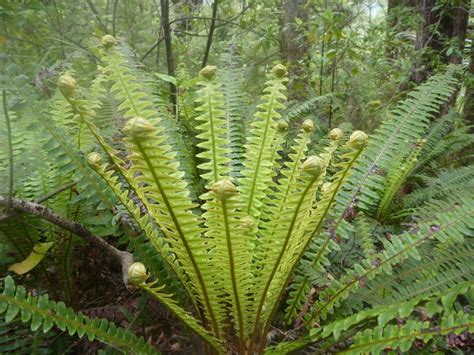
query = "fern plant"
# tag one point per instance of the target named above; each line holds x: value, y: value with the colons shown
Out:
x: 263, y: 222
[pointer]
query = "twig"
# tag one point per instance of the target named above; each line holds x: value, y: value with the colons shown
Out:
x: 10, y: 150
x: 56, y: 191
x: 96, y: 16
x: 42, y: 199
x: 125, y: 259
x: 161, y: 39
x: 262, y: 34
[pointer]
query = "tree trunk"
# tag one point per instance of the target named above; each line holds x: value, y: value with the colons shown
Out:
x: 293, y: 43
x: 443, y: 31
x: 165, y: 23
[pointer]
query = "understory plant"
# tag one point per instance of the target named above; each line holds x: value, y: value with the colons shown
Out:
x: 249, y: 252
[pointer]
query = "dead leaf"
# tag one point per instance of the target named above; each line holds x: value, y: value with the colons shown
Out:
x: 36, y: 255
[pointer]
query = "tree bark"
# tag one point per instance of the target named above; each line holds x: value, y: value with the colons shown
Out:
x: 442, y: 26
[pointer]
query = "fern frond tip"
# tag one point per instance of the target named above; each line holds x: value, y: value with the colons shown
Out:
x: 282, y: 126
x: 67, y: 85
x: 314, y: 165
x: 94, y: 160
x: 108, y: 41
x: 279, y: 71
x: 335, y: 134
x: 138, y: 127
x: 137, y: 273
x: 308, y: 126
x: 208, y: 72
x: 358, y: 140
x: 224, y: 189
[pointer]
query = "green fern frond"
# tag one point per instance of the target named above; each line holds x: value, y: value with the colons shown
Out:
x: 16, y: 338
x: 446, y: 183
x: 364, y: 236
x: 318, y: 215
x: 214, y: 142
x: 144, y: 221
x: 229, y: 246
x: 288, y: 214
x: 43, y: 313
x: 392, y: 141
x: 376, y: 340
x: 456, y: 222
x: 254, y: 180
x: 437, y: 304
x: 235, y: 101
x: 395, y: 180
x: 440, y: 267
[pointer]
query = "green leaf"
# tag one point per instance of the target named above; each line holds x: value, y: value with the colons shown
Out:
x: 166, y: 78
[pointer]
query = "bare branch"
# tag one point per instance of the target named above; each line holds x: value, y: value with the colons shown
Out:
x: 125, y: 259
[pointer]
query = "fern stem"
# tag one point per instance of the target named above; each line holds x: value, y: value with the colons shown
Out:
x: 232, y: 273
x: 213, y: 140
x: 316, y: 229
x: 181, y: 235
x: 280, y: 255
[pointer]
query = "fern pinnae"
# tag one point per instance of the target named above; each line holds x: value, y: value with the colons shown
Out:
x: 376, y: 340
x: 143, y: 221
x: 304, y: 189
x: 300, y: 240
x: 397, y: 176
x: 95, y: 160
x: 356, y: 145
x: 172, y: 199
x: 234, y: 101
x: 278, y: 193
x: 221, y: 216
x: 253, y: 181
x: 390, y: 140
x: 42, y: 312
x: 272, y: 244
x: 395, y: 251
x: 230, y: 248
x: 165, y: 193
x: 214, y: 142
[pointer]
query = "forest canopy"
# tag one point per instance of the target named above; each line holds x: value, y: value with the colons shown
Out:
x: 236, y: 176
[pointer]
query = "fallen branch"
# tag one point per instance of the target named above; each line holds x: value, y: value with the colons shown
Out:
x: 41, y: 199
x: 125, y: 259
